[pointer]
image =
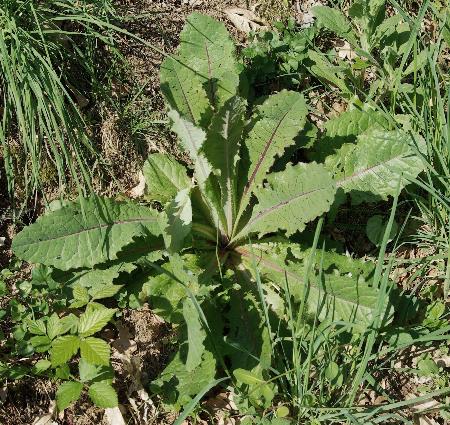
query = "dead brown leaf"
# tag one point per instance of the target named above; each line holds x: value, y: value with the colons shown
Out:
x: 244, y: 20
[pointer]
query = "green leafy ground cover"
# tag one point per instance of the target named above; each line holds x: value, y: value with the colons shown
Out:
x: 236, y: 247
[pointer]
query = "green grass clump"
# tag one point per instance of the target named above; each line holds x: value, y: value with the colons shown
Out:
x: 50, y: 53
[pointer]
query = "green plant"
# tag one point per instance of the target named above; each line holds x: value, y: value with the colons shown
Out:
x: 48, y: 62
x: 46, y: 332
x: 278, y: 54
x: 230, y: 260
x: 380, y: 49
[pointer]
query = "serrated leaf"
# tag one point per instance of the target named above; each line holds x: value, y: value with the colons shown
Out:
x: 101, y: 291
x: 332, y: 296
x: 196, y: 335
x: 41, y: 366
x: 192, y: 139
x: 184, y: 92
x: 41, y: 343
x: 179, y: 221
x: 36, y: 327
x: 103, y: 395
x: 164, y: 177
x: 221, y: 149
x: 63, y: 349
x: 291, y: 199
x: 274, y: 126
x: 93, y: 320
x: 85, y: 233
x: 67, y: 393
x: 68, y: 323
x: 204, y: 73
x: 95, y: 351
x: 371, y: 169
x: 352, y: 123
x: 187, y: 383
x: 63, y: 372
x: 90, y: 372
x: 80, y: 295
x: 335, y: 21
x: 53, y: 326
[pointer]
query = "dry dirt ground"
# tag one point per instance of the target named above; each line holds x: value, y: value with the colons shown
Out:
x: 144, y: 343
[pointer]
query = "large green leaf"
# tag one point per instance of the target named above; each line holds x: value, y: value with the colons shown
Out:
x: 371, y: 169
x: 352, y: 123
x: 85, y: 233
x: 345, y: 128
x: 204, y: 73
x: 206, y: 47
x: 184, y: 92
x: 274, y: 126
x: 334, y: 297
x: 221, y: 149
x: 164, y: 177
x: 196, y: 335
x: 292, y: 198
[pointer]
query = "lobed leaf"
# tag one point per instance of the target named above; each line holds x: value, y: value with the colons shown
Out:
x: 179, y: 221
x: 85, y: 233
x: 192, y: 139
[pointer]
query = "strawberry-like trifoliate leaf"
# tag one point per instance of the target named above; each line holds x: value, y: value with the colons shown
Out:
x: 63, y: 349
x: 103, y: 394
x: 95, y: 351
x: 94, y: 319
x: 67, y: 393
